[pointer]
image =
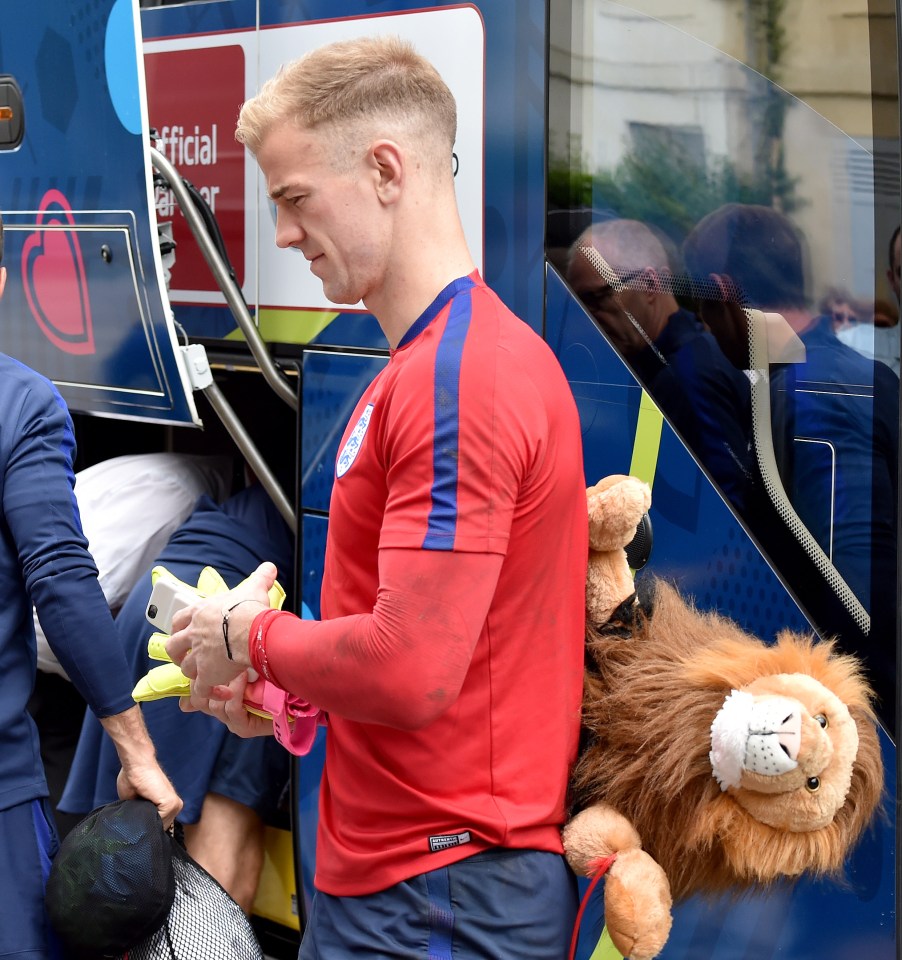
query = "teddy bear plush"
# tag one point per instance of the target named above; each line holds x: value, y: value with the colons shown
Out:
x: 710, y: 761
x: 616, y: 505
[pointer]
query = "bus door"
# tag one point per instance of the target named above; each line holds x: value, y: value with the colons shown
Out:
x: 722, y: 230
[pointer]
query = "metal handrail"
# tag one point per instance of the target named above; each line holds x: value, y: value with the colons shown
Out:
x: 201, y: 378
x: 230, y: 290
x: 255, y: 461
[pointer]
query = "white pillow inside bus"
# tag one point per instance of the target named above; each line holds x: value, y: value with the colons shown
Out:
x: 130, y: 506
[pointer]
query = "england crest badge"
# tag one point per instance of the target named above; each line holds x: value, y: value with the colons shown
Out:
x: 352, y: 445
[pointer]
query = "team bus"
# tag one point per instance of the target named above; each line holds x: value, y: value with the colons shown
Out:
x: 736, y: 162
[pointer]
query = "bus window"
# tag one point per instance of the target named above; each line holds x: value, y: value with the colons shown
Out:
x: 723, y: 196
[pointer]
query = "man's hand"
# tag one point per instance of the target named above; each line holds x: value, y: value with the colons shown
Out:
x: 198, y: 640
x: 141, y: 775
x: 228, y: 706
x: 147, y: 780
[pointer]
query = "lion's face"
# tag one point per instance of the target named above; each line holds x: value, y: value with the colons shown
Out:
x: 783, y: 748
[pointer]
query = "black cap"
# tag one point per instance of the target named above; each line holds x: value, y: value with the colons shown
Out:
x: 112, y: 883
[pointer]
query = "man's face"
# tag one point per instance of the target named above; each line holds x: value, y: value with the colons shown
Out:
x: 607, y: 307
x: 334, y: 218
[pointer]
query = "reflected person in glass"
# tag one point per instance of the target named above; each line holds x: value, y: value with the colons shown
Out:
x: 621, y: 272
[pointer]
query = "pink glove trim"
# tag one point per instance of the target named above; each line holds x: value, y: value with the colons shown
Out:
x: 294, y: 720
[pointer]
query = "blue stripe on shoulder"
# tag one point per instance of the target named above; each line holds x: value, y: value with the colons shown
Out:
x: 442, y: 523
x: 435, y: 308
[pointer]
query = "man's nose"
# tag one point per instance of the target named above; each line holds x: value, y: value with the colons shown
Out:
x: 288, y: 233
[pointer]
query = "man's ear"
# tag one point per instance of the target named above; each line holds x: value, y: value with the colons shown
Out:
x: 2, y: 279
x: 387, y: 163
x: 649, y: 282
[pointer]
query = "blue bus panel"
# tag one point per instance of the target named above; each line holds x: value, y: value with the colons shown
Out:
x: 85, y: 301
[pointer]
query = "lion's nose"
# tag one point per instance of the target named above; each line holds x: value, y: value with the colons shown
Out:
x: 759, y: 735
x: 775, y: 737
x: 789, y: 736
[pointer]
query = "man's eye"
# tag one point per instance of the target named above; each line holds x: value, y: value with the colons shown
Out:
x: 596, y: 299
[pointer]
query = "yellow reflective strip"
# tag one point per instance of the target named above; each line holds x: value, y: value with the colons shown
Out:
x: 647, y: 441
x: 276, y: 897
x: 288, y: 326
x: 605, y: 949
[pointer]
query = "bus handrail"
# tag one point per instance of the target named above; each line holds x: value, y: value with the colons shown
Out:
x: 195, y: 360
x: 227, y: 285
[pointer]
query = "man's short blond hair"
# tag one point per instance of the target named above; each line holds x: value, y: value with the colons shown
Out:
x: 369, y: 87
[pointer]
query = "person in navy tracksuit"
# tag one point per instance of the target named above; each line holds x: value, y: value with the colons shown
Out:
x: 835, y: 429
x: 44, y: 561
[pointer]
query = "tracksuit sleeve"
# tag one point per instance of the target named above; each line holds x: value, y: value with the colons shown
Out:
x: 60, y: 575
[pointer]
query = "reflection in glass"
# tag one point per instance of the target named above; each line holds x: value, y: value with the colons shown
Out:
x: 623, y: 275
x: 704, y: 186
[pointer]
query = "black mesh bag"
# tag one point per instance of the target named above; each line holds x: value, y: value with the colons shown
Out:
x: 121, y: 886
x: 205, y: 923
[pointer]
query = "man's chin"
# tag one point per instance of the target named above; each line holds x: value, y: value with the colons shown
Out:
x: 341, y: 298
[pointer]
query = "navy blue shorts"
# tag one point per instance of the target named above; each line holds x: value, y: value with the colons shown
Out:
x: 28, y: 843
x: 254, y: 772
x: 495, y: 905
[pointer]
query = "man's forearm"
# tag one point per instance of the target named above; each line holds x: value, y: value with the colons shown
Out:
x: 141, y: 774
x: 130, y: 737
x: 404, y: 664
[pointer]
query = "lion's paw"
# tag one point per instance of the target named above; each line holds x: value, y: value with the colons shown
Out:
x: 637, y: 905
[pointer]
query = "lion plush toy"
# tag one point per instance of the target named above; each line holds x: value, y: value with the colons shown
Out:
x: 711, y: 761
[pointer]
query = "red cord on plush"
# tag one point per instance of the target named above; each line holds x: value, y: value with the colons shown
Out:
x: 604, y: 864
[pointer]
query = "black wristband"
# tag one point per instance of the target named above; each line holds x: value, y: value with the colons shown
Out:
x: 225, y: 626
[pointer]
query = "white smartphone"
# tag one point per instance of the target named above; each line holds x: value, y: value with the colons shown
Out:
x: 166, y: 598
